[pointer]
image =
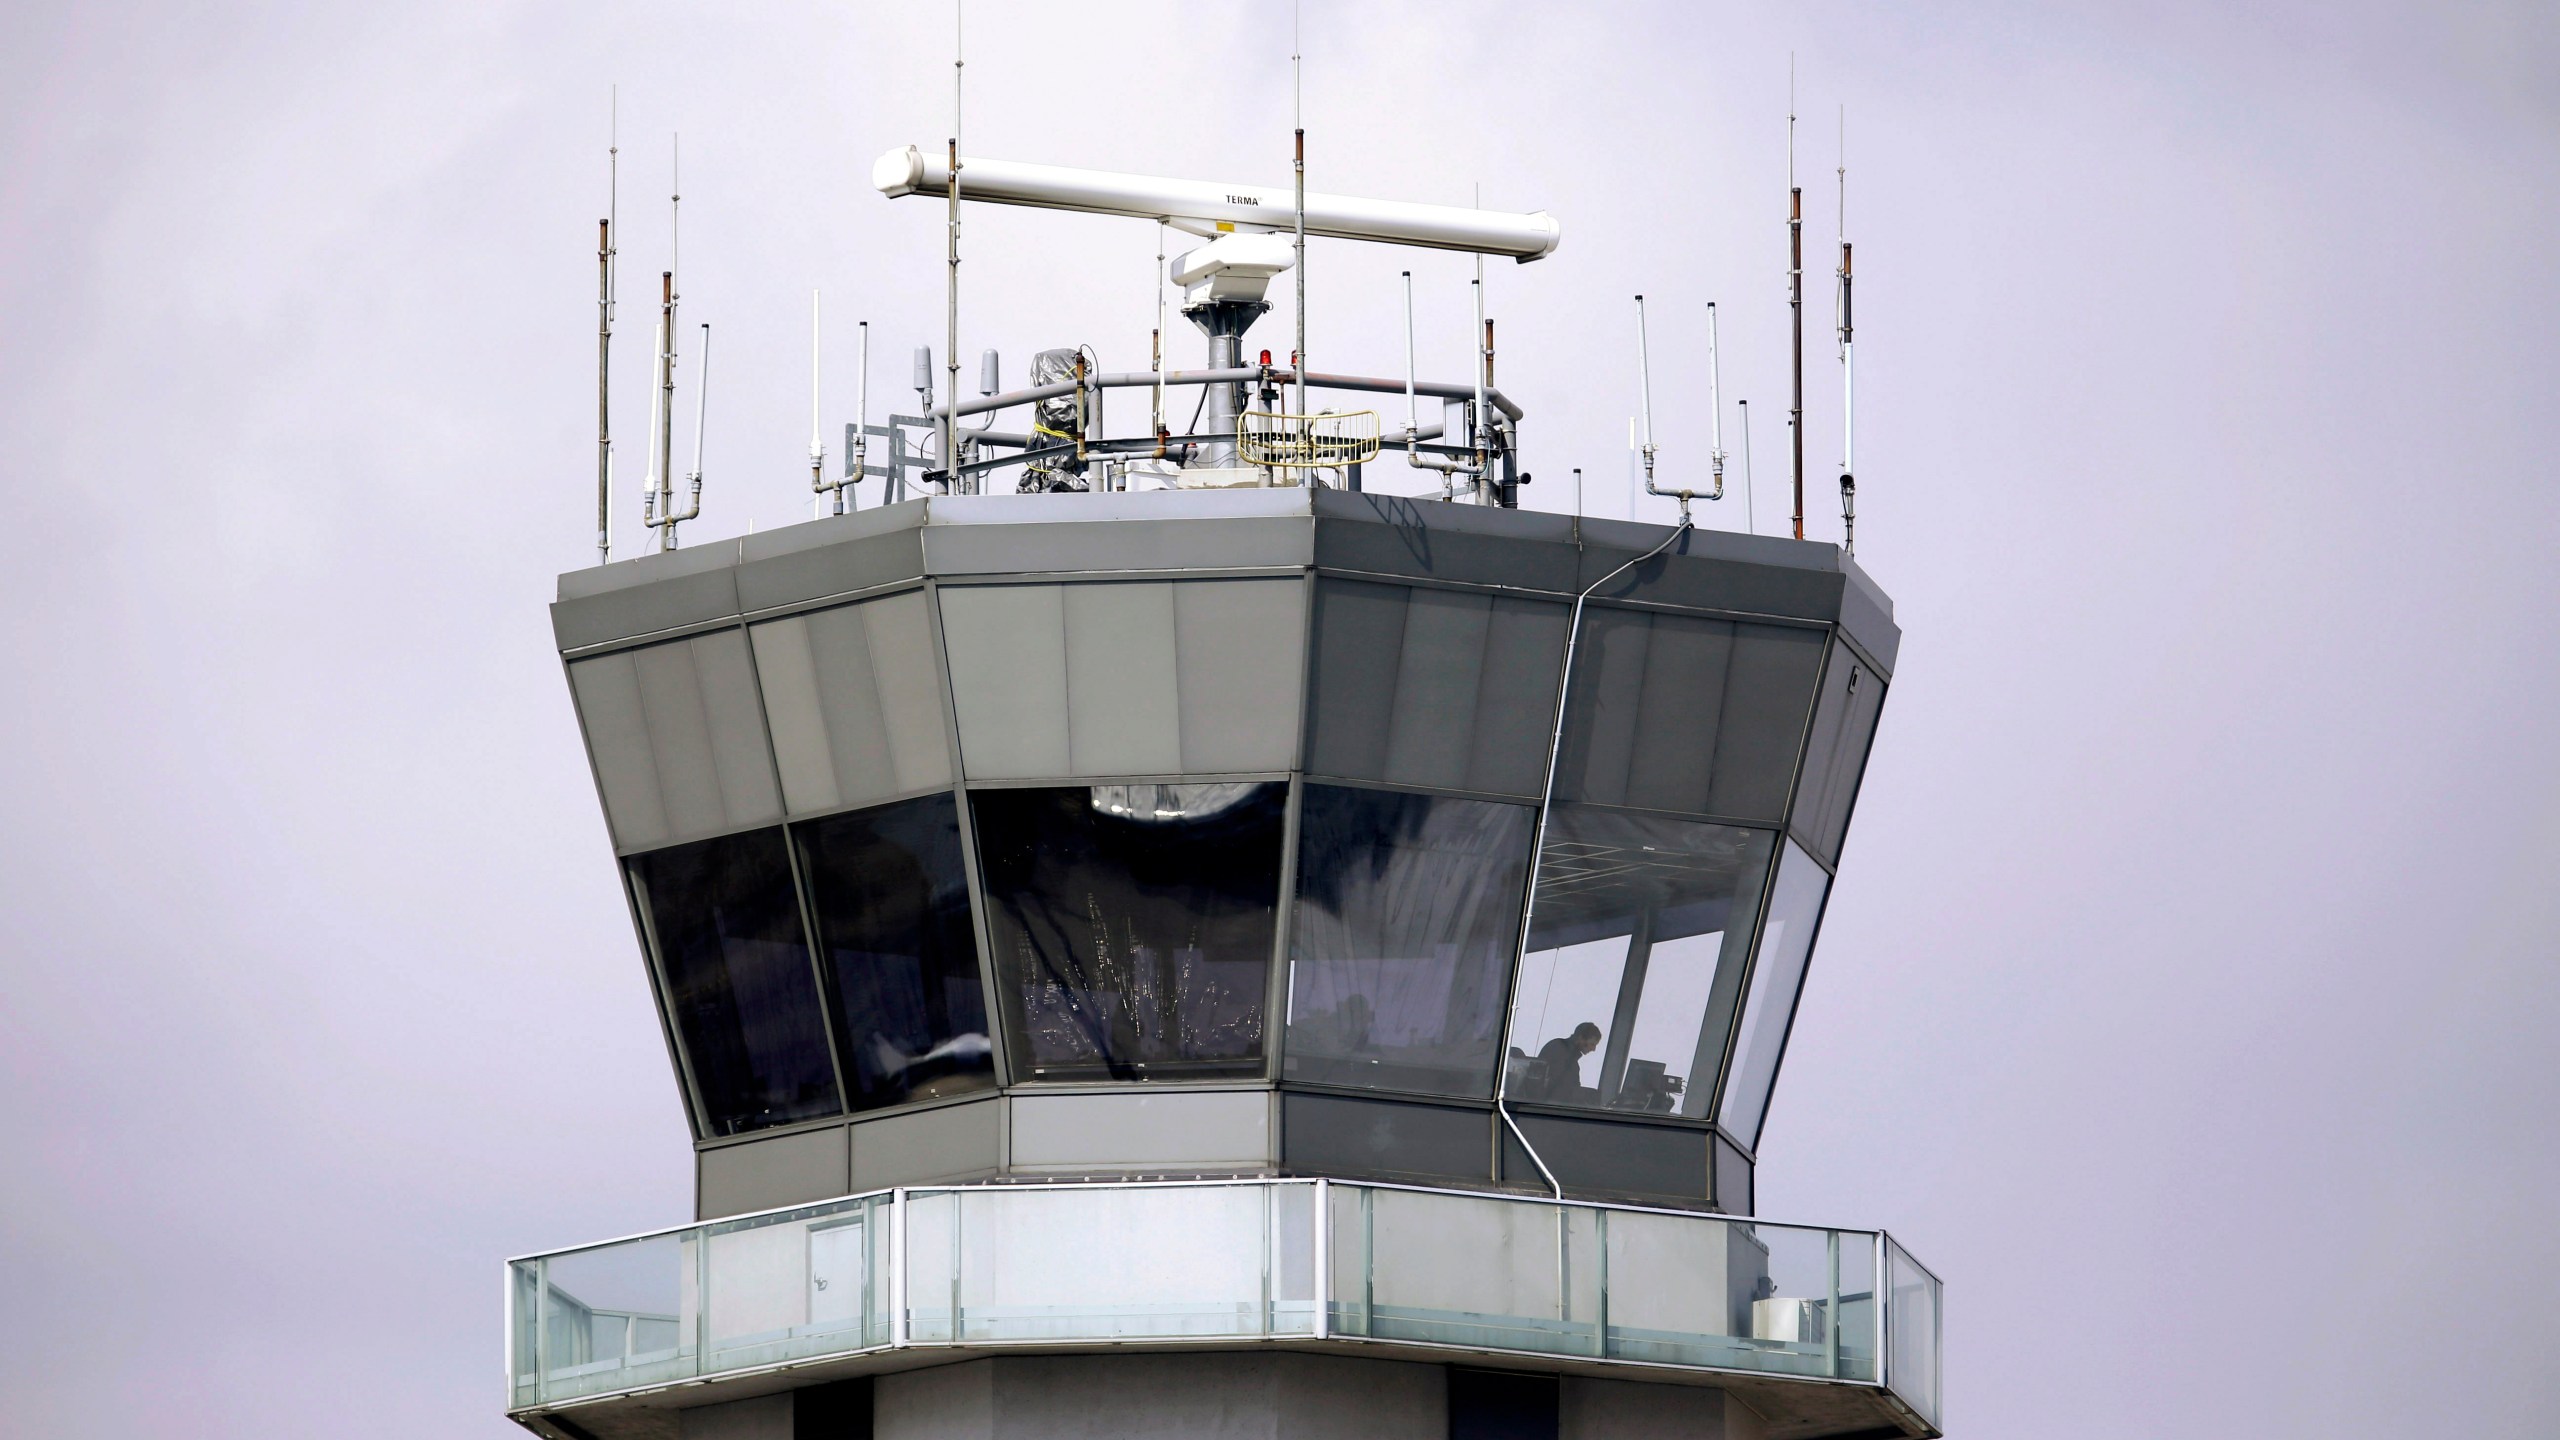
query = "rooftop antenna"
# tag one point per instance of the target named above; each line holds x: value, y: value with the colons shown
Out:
x: 1476, y: 417
x: 1715, y: 405
x: 817, y: 435
x: 1848, y: 365
x: 861, y: 417
x: 604, y: 327
x: 1155, y: 343
x: 1795, y: 294
x: 1298, y: 116
x: 951, y: 328
x: 701, y: 409
x: 1750, y: 506
x: 1644, y: 383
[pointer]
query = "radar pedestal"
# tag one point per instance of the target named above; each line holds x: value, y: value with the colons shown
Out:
x: 1151, y: 957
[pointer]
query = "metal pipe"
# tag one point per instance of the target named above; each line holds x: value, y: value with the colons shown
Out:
x: 1155, y: 342
x: 1715, y: 404
x: 817, y: 437
x: 1476, y: 417
x: 1298, y: 357
x: 1795, y: 310
x: 1750, y: 504
x: 604, y: 391
x: 951, y: 329
x: 662, y: 460
x: 1537, y: 849
x: 1644, y: 373
x: 861, y: 416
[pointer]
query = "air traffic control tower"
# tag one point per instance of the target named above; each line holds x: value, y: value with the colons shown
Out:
x: 1174, y: 965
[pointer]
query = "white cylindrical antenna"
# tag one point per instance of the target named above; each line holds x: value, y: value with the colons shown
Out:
x: 1750, y: 507
x: 1298, y: 116
x: 1644, y: 390
x: 701, y: 409
x: 990, y: 373
x: 663, y: 462
x: 1715, y: 404
x: 924, y: 376
x: 1412, y: 417
x: 817, y: 434
x: 657, y: 427
x: 861, y: 417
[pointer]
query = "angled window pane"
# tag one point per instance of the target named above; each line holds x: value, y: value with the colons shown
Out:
x: 1132, y: 925
x: 727, y: 922
x: 1636, y: 946
x: 1408, y: 907
x: 1795, y: 912
x: 895, y: 946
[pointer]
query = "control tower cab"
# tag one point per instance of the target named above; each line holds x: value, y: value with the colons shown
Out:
x: 1313, y: 959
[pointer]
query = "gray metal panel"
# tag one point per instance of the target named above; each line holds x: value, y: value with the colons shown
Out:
x: 834, y: 556
x: 790, y: 685
x: 1677, y: 714
x: 1240, y: 646
x: 948, y: 1142
x: 1141, y: 1130
x: 1835, y: 759
x: 1339, y: 1135
x: 1051, y: 547
x: 733, y: 717
x: 1123, y: 715
x: 1008, y: 650
x: 1359, y: 639
x: 1602, y: 1158
x: 617, y: 731
x: 659, y: 592
x: 855, y: 702
x: 1608, y: 685
x: 1768, y: 699
x: 899, y: 632
x: 1733, y: 1179
x: 1516, y: 701
x: 1438, y: 669
x: 775, y: 1170
x: 679, y: 739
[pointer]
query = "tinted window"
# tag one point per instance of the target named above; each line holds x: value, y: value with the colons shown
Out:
x: 1777, y: 978
x: 727, y: 923
x: 1408, y: 909
x: 895, y: 945
x: 1132, y: 925
x: 1636, y: 946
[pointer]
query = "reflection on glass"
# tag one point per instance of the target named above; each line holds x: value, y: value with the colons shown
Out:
x: 1132, y: 924
x: 1636, y: 944
x: 1408, y: 907
x: 727, y: 923
x: 1911, y: 1323
x: 1795, y: 909
x: 895, y: 944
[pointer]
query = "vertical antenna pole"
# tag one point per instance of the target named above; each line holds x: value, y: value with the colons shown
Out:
x: 1795, y: 295
x: 861, y: 417
x: 1476, y: 418
x: 701, y: 412
x: 951, y: 327
x: 1715, y: 405
x: 1750, y: 504
x: 1644, y: 389
x: 604, y: 330
x: 663, y: 462
x: 817, y: 436
x: 1298, y: 115
x: 1155, y: 344
x: 1848, y: 365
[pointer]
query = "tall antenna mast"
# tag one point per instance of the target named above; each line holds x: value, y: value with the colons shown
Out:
x: 1298, y: 116
x: 951, y: 329
x: 861, y: 419
x: 1795, y: 294
x: 604, y: 329
x: 657, y: 504
x: 1750, y: 505
x: 1715, y: 403
x: 817, y: 436
x: 1848, y: 365
x: 1155, y: 344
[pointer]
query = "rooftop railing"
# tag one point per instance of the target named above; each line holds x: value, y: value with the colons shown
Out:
x: 1222, y: 1263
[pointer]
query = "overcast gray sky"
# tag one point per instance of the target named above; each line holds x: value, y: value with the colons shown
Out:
x: 2189, y: 996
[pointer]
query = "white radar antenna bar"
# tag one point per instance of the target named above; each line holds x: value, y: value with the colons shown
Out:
x: 1206, y: 207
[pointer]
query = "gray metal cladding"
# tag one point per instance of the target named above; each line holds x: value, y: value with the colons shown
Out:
x: 1687, y: 714
x: 1612, y: 1157
x: 1450, y: 689
x: 1140, y: 677
x: 678, y: 739
x: 854, y: 696
x: 1835, y: 756
x: 1340, y: 1135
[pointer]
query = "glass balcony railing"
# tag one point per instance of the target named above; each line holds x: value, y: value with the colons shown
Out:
x: 1234, y: 1262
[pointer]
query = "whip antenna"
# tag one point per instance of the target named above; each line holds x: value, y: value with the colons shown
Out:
x: 1795, y: 295
x: 1848, y: 365
x: 951, y: 328
x: 817, y: 435
x: 1298, y: 115
x: 604, y: 328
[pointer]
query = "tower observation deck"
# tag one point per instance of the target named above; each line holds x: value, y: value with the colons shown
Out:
x: 1203, y: 961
